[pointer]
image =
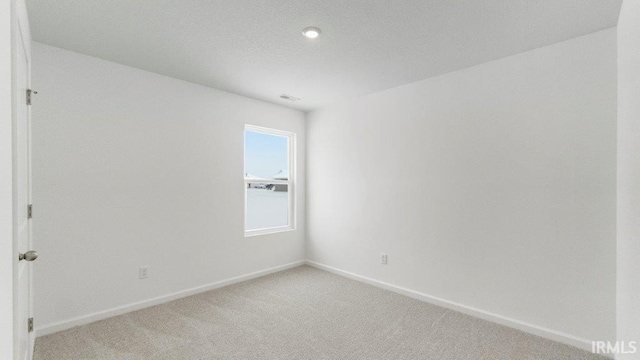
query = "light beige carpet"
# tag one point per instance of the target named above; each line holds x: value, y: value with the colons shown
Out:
x: 302, y: 313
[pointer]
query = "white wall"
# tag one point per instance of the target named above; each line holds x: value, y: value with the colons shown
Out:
x: 6, y: 185
x: 493, y: 187
x: 133, y: 168
x: 629, y: 175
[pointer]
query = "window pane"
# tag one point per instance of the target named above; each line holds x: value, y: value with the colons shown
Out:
x: 267, y: 206
x: 265, y: 155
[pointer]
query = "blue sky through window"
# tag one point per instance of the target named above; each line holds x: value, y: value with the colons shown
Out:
x: 264, y: 154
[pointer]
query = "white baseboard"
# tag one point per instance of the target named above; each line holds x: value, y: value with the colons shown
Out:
x: 101, y: 315
x: 546, y: 333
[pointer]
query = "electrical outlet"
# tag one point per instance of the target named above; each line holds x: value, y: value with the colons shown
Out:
x: 144, y: 272
x: 383, y: 259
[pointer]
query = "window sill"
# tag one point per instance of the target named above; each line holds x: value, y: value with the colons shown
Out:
x: 275, y: 230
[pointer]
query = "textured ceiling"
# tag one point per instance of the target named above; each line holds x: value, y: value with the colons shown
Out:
x: 255, y: 47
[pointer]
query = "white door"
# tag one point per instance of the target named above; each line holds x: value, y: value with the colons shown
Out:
x: 22, y: 185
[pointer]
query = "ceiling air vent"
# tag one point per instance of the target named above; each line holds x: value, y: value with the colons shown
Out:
x: 289, y: 97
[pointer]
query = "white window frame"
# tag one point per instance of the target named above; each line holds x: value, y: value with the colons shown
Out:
x: 291, y: 149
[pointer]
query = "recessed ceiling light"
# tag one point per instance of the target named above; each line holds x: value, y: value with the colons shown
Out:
x: 311, y: 32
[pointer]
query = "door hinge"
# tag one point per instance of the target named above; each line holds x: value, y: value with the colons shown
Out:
x: 30, y: 324
x: 30, y: 211
x: 29, y: 92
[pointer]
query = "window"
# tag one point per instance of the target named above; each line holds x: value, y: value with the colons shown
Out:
x: 268, y: 180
